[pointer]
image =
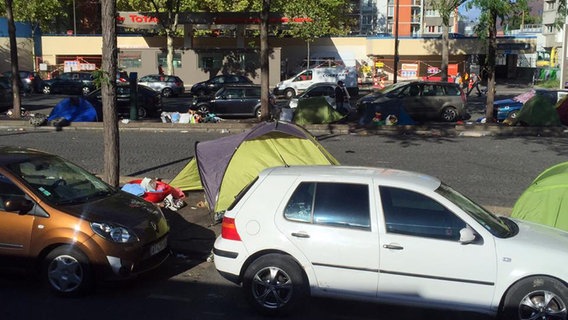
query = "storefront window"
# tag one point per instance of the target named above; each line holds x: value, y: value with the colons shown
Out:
x: 162, y: 59
x: 128, y: 60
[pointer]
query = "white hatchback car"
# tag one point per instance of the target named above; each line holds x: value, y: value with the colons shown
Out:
x: 386, y: 235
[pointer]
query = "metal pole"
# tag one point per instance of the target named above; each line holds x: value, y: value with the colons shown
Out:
x: 395, y: 76
x: 74, y: 20
x: 562, y: 59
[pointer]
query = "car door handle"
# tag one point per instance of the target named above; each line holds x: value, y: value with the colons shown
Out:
x: 393, y: 246
x: 300, y: 235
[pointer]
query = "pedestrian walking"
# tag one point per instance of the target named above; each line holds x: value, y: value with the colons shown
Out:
x: 474, y: 80
x: 341, y: 98
x: 160, y: 70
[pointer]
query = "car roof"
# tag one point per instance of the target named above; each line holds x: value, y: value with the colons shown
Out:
x: 385, y: 175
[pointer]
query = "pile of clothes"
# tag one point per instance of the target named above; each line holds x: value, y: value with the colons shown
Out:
x: 156, y: 191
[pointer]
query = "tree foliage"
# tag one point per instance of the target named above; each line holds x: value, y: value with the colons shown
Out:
x: 445, y: 8
x: 491, y: 12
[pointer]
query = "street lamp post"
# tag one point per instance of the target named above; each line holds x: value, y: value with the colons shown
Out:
x: 395, y: 76
x: 74, y: 20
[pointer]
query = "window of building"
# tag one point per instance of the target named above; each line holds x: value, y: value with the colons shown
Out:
x: 431, y: 13
x: 208, y: 61
x: 550, y: 5
x: 162, y: 59
x: 130, y: 59
x: 326, y: 203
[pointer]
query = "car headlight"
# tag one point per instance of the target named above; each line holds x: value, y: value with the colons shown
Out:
x: 113, y: 233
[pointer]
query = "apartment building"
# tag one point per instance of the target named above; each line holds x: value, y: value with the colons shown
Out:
x: 416, y: 18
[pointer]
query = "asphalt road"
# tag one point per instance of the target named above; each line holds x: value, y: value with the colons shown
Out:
x: 491, y: 170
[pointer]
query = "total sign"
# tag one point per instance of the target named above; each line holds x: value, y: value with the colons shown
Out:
x: 136, y: 20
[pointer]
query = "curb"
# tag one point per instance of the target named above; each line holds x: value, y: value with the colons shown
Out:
x: 436, y: 130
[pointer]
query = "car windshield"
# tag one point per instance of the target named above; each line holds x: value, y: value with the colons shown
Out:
x: 60, y: 182
x: 392, y: 87
x: 489, y: 221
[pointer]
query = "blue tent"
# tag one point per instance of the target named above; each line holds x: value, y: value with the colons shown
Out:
x: 74, y: 109
x: 389, y: 107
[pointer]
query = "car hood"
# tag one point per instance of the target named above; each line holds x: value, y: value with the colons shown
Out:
x: 535, y: 246
x: 124, y: 209
x: 199, y: 84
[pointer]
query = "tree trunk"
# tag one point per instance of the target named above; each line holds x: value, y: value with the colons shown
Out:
x: 491, y: 50
x: 17, y: 106
x: 264, y: 72
x: 170, y: 51
x: 445, y: 53
x: 108, y: 92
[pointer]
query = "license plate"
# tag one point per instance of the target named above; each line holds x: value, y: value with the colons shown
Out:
x: 159, y: 246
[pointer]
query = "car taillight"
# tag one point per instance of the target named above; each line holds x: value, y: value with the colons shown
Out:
x: 229, y: 229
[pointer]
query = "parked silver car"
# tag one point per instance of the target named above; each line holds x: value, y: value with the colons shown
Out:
x: 422, y: 100
x: 168, y: 86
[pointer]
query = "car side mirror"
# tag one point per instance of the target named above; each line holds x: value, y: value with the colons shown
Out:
x: 20, y: 205
x: 467, y: 235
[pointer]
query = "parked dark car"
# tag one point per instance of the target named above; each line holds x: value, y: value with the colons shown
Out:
x: 509, y: 108
x: 322, y: 89
x: 167, y: 86
x: 31, y: 81
x: 6, y: 99
x: 74, y: 82
x: 422, y: 100
x: 212, y: 85
x: 149, y: 101
x: 233, y: 100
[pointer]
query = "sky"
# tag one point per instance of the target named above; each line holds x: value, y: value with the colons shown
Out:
x: 471, y: 14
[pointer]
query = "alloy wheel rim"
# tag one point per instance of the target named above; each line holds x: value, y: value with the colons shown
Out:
x: 542, y: 304
x: 272, y: 287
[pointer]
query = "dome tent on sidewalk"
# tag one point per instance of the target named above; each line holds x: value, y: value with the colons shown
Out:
x: 544, y: 201
x: 224, y: 166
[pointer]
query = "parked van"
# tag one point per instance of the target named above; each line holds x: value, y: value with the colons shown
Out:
x: 300, y: 82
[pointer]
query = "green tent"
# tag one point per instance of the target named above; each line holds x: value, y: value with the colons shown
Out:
x: 223, y: 167
x: 545, y: 201
x: 538, y: 111
x: 315, y: 110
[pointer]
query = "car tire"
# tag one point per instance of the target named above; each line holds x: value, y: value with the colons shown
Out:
x: 46, y: 90
x: 258, y: 112
x: 142, y: 113
x: 535, y: 298
x: 513, y: 114
x: 167, y: 92
x: 450, y: 114
x: 67, y: 271
x: 203, y: 109
x: 85, y: 91
x: 274, y: 284
x: 289, y: 93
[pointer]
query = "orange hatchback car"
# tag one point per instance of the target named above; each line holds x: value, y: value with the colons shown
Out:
x: 67, y: 225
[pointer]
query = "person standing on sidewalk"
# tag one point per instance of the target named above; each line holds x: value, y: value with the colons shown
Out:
x: 474, y: 80
x: 341, y: 98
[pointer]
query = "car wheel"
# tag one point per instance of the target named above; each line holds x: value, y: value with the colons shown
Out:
x: 258, y: 112
x: 513, y: 114
x: 85, y: 91
x: 203, y: 109
x: 142, y: 113
x: 289, y: 93
x: 67, y: 271
x: 449, y: 114
x: 46, y: 89
x: 167, y: 92
x: 274, y: 284
x: 535, y: 298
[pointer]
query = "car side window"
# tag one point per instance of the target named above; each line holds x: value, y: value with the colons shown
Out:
x: 452, y: 90
x: 411, y: 213
x: 8, y: 190
x: 252, y: 92
x: 65, y: 76
x: 335, y: 204
x: 233, y: 93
